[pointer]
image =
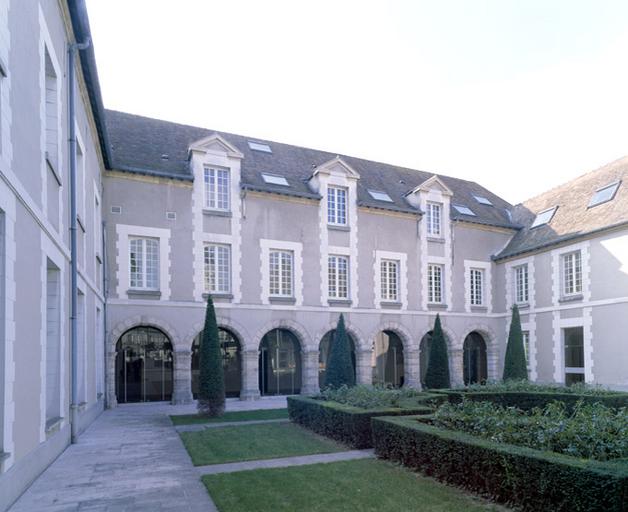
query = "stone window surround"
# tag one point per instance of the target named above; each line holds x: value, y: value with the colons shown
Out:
x: 402, y: 292
x: 487, y: 285
x: 296, y: 248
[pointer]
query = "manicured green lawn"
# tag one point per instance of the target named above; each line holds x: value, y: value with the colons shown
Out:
x: 359, y: 485
x: 258, y: 414
x: 254, y: 442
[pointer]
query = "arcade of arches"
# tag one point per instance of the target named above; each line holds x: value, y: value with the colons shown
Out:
x: 145, y: 364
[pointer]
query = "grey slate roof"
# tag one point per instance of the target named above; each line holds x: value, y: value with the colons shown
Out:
x: 138, y: 143
x: 573, y: 219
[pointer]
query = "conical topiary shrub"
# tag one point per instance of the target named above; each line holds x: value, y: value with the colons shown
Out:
x: 211, y: 379
x: 515, y: 366
x: 339, y: 366
x: 437, y: 374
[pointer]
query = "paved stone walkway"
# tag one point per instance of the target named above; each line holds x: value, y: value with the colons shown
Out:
x: 284, y: 462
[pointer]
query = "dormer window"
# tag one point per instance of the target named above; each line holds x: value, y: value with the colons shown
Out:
x: 483, y: 200
x: 378, y: 195
x: 544, y: 217
x: 464, y: 210
x: 337, y: 206
x: 216, y: 188
x: 604, y: 194
x: 273, y: 179
x: 260, y: 146
x: 433, y: 218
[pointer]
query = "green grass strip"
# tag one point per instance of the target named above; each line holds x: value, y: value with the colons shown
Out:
x: 258, y: 414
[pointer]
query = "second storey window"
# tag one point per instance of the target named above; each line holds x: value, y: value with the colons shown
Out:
x: 337, y: 206
x: 433, y: 219
x: 521, y: 284
x: 217, y: 268
x: 477, y: 285
x: 435, y: 284
x: 572, y: 273
x: 216, y: 188
x: 390, y: 280
x: 144, y: 263
x: 338, y: 277
x: 52, y: 113
x: 281, y: 273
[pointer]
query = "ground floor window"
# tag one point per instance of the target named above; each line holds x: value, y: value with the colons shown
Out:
x: 143, y: 366
x: 279, y: 363
x: 574, y: 355
x: 474, y: 362
x: 388, y: 360
x: 324, y: 350
x: 230, y: 348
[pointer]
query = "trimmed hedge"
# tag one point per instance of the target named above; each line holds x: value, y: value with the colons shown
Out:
x: 345, y: 423
x: 528, y: 399
x: 523, y: 477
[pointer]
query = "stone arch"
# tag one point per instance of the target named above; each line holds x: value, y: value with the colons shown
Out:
x: 403, y: 333
x: 297, y: 329
x: 223, y: 322
x: 492, y: 346
x: 144, y: 321
x: 356, y: 334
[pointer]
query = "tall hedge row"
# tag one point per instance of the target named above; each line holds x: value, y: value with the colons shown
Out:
x: 529, y: 479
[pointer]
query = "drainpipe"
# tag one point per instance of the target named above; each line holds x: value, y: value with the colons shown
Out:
x: 73, y: 48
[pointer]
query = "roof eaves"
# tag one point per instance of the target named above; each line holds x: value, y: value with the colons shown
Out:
x: 391, y: 207
x: 515, y: 227
x: 282, y: 192
x: 150, y: 172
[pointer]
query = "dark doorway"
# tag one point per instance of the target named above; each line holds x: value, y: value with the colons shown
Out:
x: 474, y: 354
x: 279, y: 363
x: 388, y: 365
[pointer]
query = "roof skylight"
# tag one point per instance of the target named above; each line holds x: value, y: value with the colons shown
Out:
x: 260, y: 146
x: 604, y: 194
x: 544, y: 217
x: 380, y: 195
x: 483, y: 200
x: 463, y: 209
x: 273, y: 179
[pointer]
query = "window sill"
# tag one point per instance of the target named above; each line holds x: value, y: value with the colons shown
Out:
x: 54, y: 172
x: 338, y: 227
x: 220, y: 297
x: 479, y: 309
x: 436, y: 240
x: 571, y: 298
x: 147, y: 294
x: 217, y: 213
x: 522, y: 305
x: 282, y: 300
x: 435, y: 305
x: 390, y: 305
x: 339, y: 302
x: 53, y: 425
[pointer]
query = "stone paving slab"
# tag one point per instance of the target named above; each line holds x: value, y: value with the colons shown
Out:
x: 197, y: 427
x: 301, y: 460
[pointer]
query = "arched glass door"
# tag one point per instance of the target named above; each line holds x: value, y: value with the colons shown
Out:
x: 279, y: 364
x: 388, y: 360
x: 230, y: 348
x: 143, y: 366
x: 474, y: 363
x: 324, y: 351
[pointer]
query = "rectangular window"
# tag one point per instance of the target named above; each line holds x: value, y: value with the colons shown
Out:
x: 52, y: 113
x: 434, y: 219
x: 281, y: 273
x: 216, y: 186
x: 574, y: 355
x: 338, y: 277
x: 572, y: 273
x: 477, y: 286
x: 337, y: 206
x: 53, y: 344
x: 82, y: 348
x: 390, y: 280
x: 521, y: 284
x: 435, y: 284
x: 217, y: 268
x: 526, y: 345
x: 144, y: 263
x: 3, y: 379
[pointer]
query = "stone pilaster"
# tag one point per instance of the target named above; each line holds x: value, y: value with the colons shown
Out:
x: 111, y: 398
x: 310, y: 373
x: 412, y: 369
x: 364, y: 370
x: 182, y: 378
x: 250, y: 375
x: 456, y: 367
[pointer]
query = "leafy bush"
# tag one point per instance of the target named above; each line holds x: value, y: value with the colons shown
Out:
x: 579, y: 388
x: 370, y: 397
x: 590, y: 431
x: 529, y: 479
x: 345, y: 423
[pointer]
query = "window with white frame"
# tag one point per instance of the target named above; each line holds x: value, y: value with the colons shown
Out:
x: 574, y: 355
x: 216, y: 188
x: 52, y: 112
x: 217, y: 258
x: 338, y: 276
x: 390, y: 280
x: 521, y: 284
x: 476, y: 276
x: 144, y: 263
x: 435, y: 284
x: 434, y: 219
x: 337, y: 206
x: 526, y: 345
x: 281, y: 272
x: 572, y: 273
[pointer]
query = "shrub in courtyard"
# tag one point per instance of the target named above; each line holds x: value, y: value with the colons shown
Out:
x: 211, y: 389
x: 437, y: 374
x: 339, y: 366
x: 515, y: 366
x: 370, y: 397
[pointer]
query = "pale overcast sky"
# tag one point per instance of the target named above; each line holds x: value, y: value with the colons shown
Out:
x: 517, y: 95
